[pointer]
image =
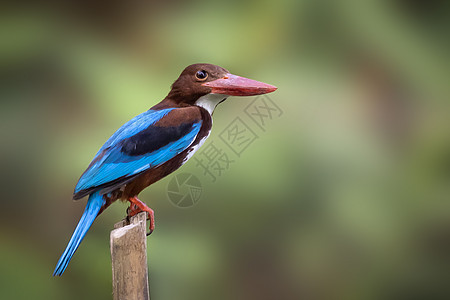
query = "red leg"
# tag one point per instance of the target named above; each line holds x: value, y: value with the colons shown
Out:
x: 138, y: 206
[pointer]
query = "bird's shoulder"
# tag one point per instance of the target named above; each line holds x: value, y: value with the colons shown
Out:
x: 177, y: 116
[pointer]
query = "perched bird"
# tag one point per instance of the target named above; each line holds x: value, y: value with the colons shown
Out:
x: 154, y: 144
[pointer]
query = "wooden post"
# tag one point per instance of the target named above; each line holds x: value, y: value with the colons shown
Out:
x: 129, y: 259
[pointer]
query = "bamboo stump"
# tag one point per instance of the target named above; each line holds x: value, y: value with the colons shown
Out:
x: 128, y: 244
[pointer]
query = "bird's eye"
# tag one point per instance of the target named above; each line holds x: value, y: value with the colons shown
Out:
x: 201, y: 75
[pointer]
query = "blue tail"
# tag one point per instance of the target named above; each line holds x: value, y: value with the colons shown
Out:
x: 93, y: 206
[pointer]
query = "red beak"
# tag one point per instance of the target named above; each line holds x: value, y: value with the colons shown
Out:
x: 233, y: 85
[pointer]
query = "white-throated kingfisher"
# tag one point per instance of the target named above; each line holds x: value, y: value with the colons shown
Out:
x: 154, y: 144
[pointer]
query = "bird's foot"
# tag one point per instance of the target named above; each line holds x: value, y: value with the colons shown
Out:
x: 137, y: 206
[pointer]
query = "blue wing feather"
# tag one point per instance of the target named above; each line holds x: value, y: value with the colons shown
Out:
x: 111, y: 163
x: 134, y: 126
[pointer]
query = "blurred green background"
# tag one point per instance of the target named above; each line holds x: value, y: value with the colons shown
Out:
x: 344, y: 196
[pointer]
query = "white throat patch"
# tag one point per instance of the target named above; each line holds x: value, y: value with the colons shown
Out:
x: 210, y: 101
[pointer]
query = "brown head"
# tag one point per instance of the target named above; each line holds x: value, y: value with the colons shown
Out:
x: 206, y: 84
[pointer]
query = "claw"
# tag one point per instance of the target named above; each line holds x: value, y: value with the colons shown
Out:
x: 138, y: 206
